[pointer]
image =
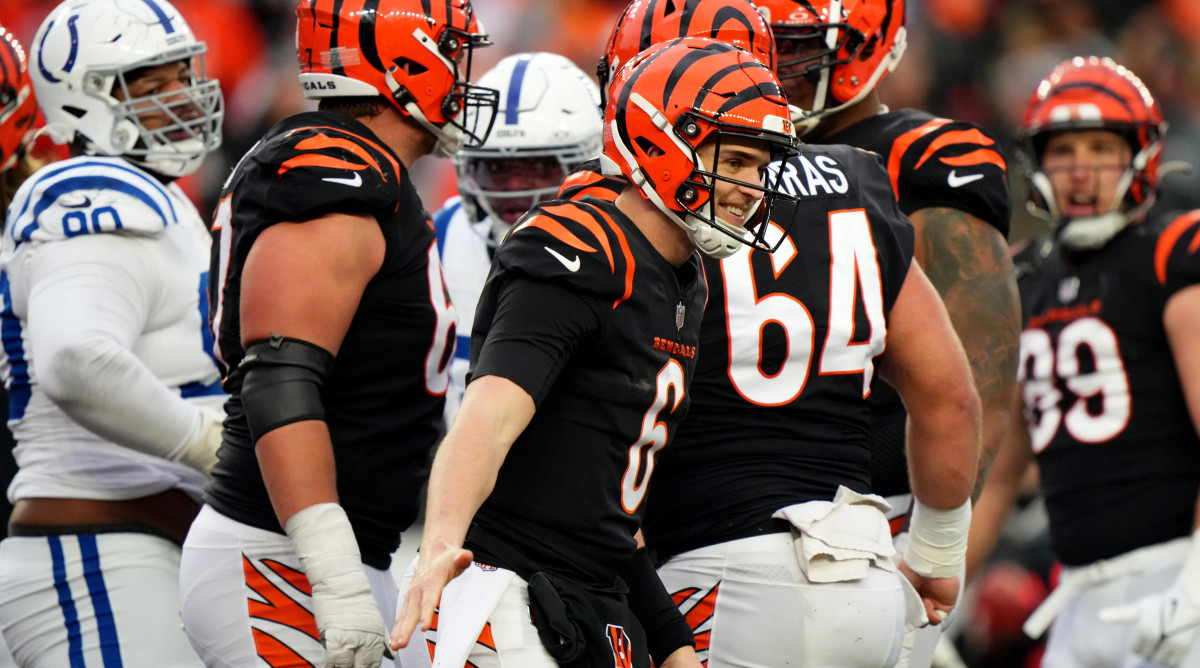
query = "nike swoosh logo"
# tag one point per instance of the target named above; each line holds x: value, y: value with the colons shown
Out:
x: 955, y: 180
x: 87, y: 201
x: 353, y: 183
x: 571, y: 265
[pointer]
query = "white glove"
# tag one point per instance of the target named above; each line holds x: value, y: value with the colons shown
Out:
x: 201, y: 452
x: 346, y: 613
x: 1167, y: 622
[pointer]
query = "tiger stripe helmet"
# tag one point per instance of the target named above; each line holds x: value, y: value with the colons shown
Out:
x: 645, y: 23
x: 415, y: 53
x: 18, y: 108
x: 674, y: 97
x: 1095, y: 93
x: 846, y: 47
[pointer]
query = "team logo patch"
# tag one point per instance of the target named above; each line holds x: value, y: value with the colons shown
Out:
x: 1068, y: 289
x: 680, y: 314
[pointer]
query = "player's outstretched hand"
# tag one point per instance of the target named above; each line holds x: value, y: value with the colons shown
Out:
x: 436, y: 567
x: 938, y: 594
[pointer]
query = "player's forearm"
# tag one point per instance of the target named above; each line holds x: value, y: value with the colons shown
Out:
x: 297, y: 467
x: 943, y: 451
x: 493, y: 413
x: 106, y: 389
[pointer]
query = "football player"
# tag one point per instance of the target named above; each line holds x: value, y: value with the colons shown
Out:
x: 644, y: 23
x: 18, y: 113
x: 547, y: 126
x: 582, y: 353
x: 950, y: 180
x: 114, y: 401
x: 334, y: 330
x: 1109, y: 377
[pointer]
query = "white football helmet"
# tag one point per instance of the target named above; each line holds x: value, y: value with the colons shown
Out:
x: 86, y: 51
x: 547, y: 123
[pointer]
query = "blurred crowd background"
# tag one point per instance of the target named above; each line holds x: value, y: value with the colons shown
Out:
x: 975, y: 60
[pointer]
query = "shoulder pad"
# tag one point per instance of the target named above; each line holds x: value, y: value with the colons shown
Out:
x: 92, y: 195
x: 1177, y: 253
x: 583, y: 245
x: 955, y: 164
x: 308, y: 172
x: 588, y: 180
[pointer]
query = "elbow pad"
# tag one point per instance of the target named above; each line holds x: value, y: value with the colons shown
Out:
x: 282, y: 381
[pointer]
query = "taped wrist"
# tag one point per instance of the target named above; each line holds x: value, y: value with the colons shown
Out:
x: 281, y: 383
x: 937, y: 540
x: 666, y: 629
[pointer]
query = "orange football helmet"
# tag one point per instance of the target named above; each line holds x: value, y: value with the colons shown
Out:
x: 1095, y: 94
x: 843, y: 47
x: 674, y: 97
x: 648, y: 22
x: 18, y: 108
x: 415, y: 53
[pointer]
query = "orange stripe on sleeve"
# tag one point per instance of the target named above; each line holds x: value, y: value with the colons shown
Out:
x: 556, y: 230
x: 570, y: 211
x: 900, y: 146
x: 977, y: 157
x: 1168, y: 239
x: 385, y: 152
x: 318, y: 160
x: 955, y: 137
x: 321, y: 141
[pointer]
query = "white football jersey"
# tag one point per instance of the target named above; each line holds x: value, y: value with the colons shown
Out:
x: 463, y: 247
x: 113, y: 267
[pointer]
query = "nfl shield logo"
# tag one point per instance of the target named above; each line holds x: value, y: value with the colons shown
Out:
x: 1068, y: 289
x: 680, y: 312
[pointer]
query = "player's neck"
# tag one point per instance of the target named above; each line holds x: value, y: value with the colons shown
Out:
x: 407, y: 140
x: 670, y: 240
x: 865, y: 108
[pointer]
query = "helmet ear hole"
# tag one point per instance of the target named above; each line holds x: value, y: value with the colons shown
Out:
x: 649, y: 147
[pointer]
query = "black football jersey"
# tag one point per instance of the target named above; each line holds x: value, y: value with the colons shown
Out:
x: 932, y: 162
x: 588, y: 181
x: 585, y: 315
x: 383, y: 399
x: 779, y: 405
x: 1118, y: 454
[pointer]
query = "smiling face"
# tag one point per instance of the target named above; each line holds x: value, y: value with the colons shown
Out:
x: 741, y: 164
x: 1084, y: 168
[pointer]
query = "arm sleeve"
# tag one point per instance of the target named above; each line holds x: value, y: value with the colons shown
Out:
x: 666, y: 628
x: 89, y: 301
x: 536, y: 328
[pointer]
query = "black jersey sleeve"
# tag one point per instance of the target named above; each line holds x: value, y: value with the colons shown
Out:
x: 954, y: 164
x: 574, y: 244
x: 533, y: 329
x: 1177, y: 253
x: 588, y: 180
x: 310, y: 172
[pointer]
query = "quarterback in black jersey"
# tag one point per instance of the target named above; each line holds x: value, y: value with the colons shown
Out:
x: 334, y: 328
x: 582, y: 353
x: 1110, y: 378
